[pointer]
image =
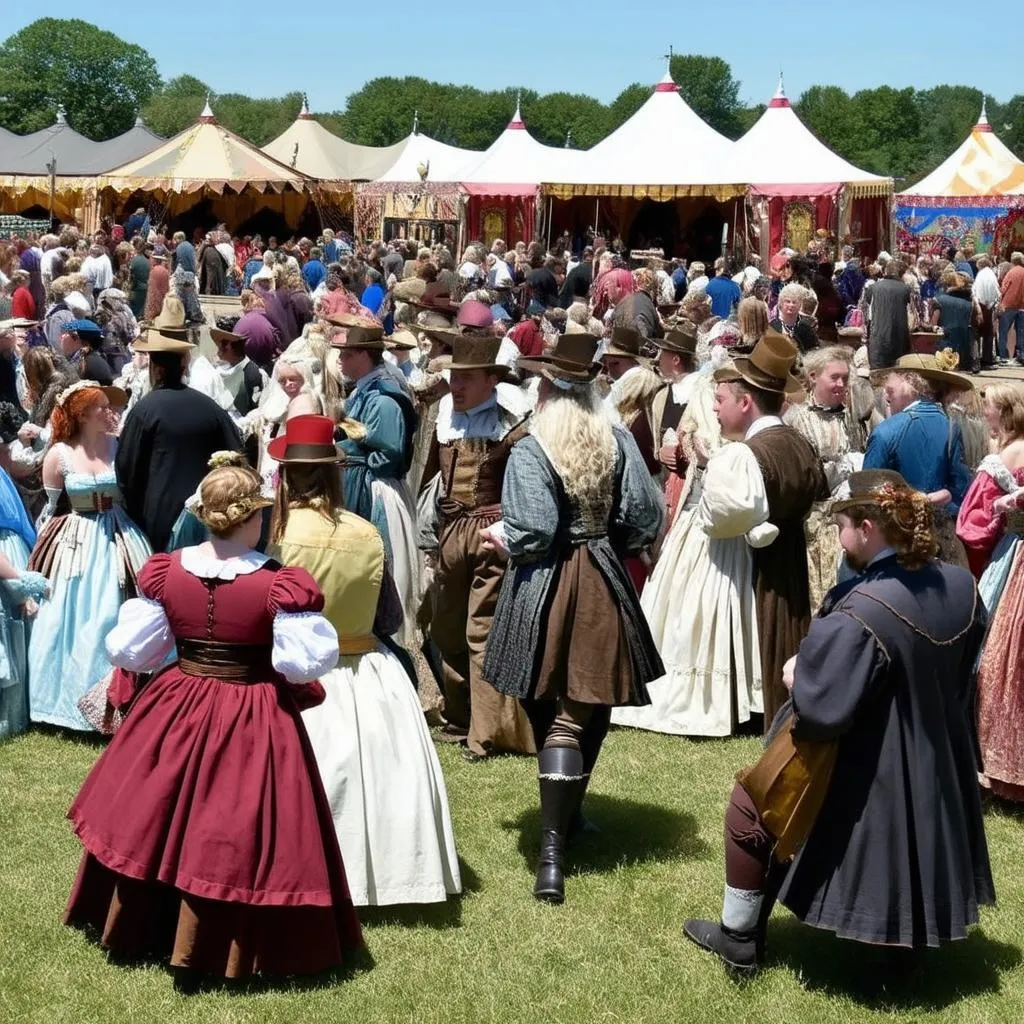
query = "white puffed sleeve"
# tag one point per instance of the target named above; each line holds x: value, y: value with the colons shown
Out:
x: 733, y: 501
x: 305, y: 646
x: 142, y: 638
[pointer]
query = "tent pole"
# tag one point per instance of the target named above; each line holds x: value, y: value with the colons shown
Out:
x: 735, y: 222
x: 597, y: 213
x: 548, y: 237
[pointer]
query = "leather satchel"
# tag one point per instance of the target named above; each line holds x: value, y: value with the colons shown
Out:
x: 788, y: 786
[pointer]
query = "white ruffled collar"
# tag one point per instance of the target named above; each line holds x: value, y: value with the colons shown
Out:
x: 996, y: 468
x: 206, y: 567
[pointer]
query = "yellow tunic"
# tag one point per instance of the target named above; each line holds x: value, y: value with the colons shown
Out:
x: 346, y: 558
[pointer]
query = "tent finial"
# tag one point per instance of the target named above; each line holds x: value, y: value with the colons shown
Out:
x: 780, y: 92
x: 667, y: 83
x: 415, y: 122
x: 207, y: 115
x: 568, y: 138
x: 304, y: 112
x: 983, y: 125
x: 62, y: 114
x: 517, y: 117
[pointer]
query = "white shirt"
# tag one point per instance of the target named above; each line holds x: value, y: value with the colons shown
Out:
x: 986, y: 287
x: 758, y: 425
x: 98, y: 271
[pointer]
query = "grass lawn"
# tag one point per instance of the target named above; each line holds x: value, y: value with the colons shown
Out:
x: 614, y: 952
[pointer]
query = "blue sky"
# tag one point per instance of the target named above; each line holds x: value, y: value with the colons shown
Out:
x: 599, y: 47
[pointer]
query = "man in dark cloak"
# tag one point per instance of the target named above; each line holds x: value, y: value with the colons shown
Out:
x: 168, y: 438
x: 886, y: 813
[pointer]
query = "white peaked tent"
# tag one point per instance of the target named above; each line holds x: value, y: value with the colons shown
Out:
x: 310, y: 148
x: 799, y: 186
x: 419, y: 195
x: 664, y: 151
x: 502, y: 186
x: 976, y: 195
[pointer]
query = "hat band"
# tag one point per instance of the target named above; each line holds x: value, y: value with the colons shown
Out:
x: 310, y: 451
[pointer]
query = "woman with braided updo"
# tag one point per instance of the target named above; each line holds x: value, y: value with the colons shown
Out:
x: 207, y: 833
x: 89, y: 550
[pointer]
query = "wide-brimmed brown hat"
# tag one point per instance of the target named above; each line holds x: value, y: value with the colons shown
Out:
x: 307, y: 439
x: 625, y: 343
x: 436, y: 297
x: 401, y: 340
x: 934, y: 368
x: 769, y: 367
x: 218, y: 335
x: 369, y: 337
x: 572, y: 359
x: 164, y: 339
x: 681, y: 339
x: 863, y: 488
x: 475, y: 350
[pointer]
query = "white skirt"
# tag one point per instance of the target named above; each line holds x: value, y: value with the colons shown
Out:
x: 699, y: 603
x: 400, y: 513
x: 384, y: 783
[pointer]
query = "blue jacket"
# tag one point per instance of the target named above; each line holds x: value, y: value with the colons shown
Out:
x: 923, y: 445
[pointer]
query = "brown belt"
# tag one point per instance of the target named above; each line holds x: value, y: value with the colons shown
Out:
x: 93, y: 503
x: 352, y: 644
x: 241, y: 663
x: 451, y: 509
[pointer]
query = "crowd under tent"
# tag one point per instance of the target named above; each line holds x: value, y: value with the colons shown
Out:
x: 502, y: 187
x: 798, y: 186
x: 54, y: 170
x: 975, y: 197
x: 419, y: 196
x: 207, y: 174
x: 662, y: 180
x: 310, y: 148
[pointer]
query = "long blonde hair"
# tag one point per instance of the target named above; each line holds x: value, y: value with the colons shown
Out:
x: 576, y: 435
x: 1008, y: 400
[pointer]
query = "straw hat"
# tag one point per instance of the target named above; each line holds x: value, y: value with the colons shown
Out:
x: 862, y: 488
x: 477, y: 351
x: 117, y: 398
x: 306, y: 440
x: 171, y: 316
x: 934, y: 368
x: 166, y: 339
x: 769, y: 367
x: 571, y: 360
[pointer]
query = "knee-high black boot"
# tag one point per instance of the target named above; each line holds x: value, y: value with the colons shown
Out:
x: 560, y: 774
x: 590, y: 746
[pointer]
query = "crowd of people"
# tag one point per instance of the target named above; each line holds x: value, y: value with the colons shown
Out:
x: 573, y: 492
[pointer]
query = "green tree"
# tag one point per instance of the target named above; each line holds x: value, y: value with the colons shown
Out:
x: 626, y: 104
x: 707, y: 85
x: 828, y: 111
x: 176, y: 105
x: 555, y: 115
x: 888, y: 124
x: 1007, y: 120
x: 747, y: 117
x: 947, y: 112
x: 101, y: 81
x: 257, y: 120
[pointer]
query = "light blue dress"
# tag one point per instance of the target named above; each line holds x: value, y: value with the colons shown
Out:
x: 16, y: 539
x: 91, y: 557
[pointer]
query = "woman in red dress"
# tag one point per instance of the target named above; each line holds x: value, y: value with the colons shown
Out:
x: 208, y: 838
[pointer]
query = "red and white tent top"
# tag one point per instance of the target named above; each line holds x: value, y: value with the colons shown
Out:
x: 424, y: 159
x: 982, y: 166
x: 780, y: 154
x: 663, y: 151
x: 310, y: 148
x: 516, y: 163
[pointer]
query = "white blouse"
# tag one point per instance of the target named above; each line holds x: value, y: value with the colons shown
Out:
x: 734, y: 502
x: 305, y: 644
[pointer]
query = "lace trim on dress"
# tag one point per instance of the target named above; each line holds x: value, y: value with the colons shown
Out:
x: 206, y: 567
x: 996, y: 468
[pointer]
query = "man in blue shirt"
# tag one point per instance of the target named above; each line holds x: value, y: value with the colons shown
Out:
x: 722, y: 290
x: 313, y: 270
x: 922, y: 444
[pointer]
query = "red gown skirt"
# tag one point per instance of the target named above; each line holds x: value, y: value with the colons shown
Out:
x: 208, y: 837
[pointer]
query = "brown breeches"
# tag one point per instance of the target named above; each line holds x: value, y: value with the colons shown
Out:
x: 466, y: 588
x: 748, y: 844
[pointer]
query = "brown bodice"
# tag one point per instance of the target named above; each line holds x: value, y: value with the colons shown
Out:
x: 473, y: 470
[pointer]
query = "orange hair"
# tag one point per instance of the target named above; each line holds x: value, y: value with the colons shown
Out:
x: 66, y: 419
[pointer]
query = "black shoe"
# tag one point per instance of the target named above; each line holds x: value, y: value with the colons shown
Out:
x: 560, y: 775
x: 738, y: 951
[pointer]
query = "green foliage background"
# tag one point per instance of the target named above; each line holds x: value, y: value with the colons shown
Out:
x: 103, y: 82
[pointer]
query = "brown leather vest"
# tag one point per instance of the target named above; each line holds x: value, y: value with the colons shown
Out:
x: 473, y: 470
